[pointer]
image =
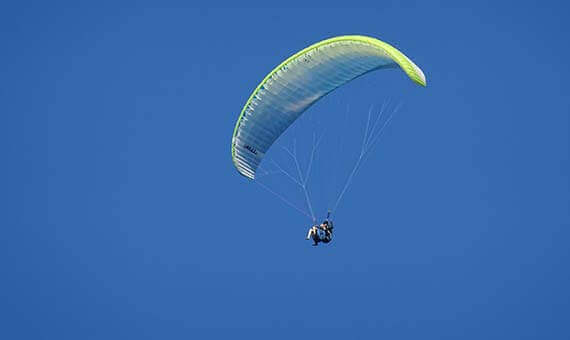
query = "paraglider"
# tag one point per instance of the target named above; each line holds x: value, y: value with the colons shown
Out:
x: 296, y: 84
x: 321, y: 233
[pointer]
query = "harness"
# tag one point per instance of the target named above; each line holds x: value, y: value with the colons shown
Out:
x: 323, y: 235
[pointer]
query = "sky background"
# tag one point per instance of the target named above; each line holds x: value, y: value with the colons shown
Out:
x: 123, y: 216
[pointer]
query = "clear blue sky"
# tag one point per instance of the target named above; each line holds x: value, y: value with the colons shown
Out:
x: 123, y: 216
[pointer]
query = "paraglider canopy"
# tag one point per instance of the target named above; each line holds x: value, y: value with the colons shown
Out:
x: 298, y: 82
